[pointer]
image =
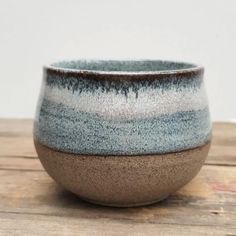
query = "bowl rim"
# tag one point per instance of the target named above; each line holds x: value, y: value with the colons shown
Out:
x: 194, y: 69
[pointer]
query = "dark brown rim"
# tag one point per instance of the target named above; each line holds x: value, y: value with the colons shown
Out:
x: 194, y: 70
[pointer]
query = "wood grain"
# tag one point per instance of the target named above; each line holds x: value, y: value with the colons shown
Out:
x: 31, y: 203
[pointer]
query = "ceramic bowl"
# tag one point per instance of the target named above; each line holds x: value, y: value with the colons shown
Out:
x: 122, y: 133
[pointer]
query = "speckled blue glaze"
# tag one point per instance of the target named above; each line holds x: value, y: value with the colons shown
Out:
x: 122, y: 107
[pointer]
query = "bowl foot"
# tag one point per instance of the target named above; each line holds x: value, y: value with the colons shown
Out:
x: 137, y: 204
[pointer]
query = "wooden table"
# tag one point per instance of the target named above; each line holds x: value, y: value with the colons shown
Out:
x: 31, y: 203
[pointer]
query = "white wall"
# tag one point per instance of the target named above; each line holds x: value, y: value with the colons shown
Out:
x: 33, y: 33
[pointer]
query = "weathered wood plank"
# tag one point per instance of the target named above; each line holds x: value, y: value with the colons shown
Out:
x: 17, y: 147
x: 15, y: 127
x: 29, y: 224
x: 223, y: 148
x: 16, y: 138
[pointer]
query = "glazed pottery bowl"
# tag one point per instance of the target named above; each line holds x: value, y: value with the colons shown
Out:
x: 122, y: 133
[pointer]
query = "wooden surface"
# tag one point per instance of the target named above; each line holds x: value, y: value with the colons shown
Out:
x: 31, y: 203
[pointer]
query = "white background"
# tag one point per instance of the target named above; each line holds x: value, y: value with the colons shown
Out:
x: 33, y: 33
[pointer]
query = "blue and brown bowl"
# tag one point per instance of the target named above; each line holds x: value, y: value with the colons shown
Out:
x: 122, y: 133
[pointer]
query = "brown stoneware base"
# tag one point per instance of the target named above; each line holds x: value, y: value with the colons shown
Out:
x: 122, y: 181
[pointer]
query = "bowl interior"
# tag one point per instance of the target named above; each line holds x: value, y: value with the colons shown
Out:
x: 123, y: 66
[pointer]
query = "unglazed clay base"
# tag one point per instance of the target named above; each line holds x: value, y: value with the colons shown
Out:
x: 122, y: 181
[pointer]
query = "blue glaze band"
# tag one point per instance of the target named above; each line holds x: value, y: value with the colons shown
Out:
x: 92, y: 115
